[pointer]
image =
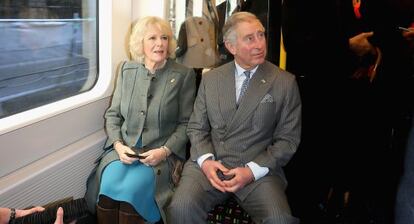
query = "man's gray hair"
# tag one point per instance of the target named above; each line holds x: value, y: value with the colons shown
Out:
x: 229, y: 29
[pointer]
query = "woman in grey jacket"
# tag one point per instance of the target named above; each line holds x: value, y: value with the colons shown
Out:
x: 150, y: 108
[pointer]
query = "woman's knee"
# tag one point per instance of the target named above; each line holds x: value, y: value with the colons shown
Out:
x: 107, y: 202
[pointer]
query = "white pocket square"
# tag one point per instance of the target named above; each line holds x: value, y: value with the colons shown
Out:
x: 267, y: 99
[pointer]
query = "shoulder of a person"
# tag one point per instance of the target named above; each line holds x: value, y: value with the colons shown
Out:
x: 270, y: 68
x: 178, y: 68
x: 130, y: 64
x: 220, y: 70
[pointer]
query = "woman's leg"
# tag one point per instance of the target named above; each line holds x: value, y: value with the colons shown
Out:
x: 107, y: 210
x: 128, y: 215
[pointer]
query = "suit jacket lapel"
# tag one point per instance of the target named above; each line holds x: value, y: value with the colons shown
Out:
x: 259, y: 85
x: 227, y: 93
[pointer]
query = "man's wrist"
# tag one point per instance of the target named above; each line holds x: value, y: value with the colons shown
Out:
x: 204, y: 157
x: 258, y: 171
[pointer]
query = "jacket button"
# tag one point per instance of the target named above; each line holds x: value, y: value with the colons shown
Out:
x: 142, y: 112
x: 158, y: 172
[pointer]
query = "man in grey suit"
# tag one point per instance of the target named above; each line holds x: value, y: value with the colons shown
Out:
x: 244, y: 128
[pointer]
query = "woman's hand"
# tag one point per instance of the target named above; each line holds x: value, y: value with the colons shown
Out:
x: 121, y: 149
x: 155, y: 156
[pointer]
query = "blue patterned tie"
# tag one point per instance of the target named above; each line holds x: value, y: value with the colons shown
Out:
x: 244, y: 85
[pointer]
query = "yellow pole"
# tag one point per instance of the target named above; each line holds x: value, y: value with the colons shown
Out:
x: 283, y: 54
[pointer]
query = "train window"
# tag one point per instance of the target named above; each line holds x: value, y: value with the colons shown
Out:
x: 48, y: 52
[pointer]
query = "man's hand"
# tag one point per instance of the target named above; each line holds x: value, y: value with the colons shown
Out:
x: 209, y: 168
x: 409, y: 37
x: 360, y: 44
x: 5, y: 213
x: 21, y: 213
x: 59, y: 217
x: 242, y: 177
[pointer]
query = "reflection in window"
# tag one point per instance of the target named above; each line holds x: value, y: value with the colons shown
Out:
x: 48, y: 52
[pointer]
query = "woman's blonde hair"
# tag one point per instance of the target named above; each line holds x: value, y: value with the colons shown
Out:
x: 139, y: 30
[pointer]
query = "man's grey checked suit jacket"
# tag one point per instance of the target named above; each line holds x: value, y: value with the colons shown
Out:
x: 265, y: 128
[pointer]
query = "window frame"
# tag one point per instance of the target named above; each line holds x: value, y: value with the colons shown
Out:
x: 101, y: 89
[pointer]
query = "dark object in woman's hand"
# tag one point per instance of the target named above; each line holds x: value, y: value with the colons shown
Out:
x: 136, y: 153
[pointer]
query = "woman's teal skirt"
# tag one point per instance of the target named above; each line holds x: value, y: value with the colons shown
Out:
x: 134, y: 184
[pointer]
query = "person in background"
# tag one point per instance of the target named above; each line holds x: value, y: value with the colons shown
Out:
x: 244, y: 128
x: 150, y: 109
x: 404, y: 210
x: 353, y: 74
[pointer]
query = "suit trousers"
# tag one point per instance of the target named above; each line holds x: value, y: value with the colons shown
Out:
x: 266, y: 203
x: 404, y: 209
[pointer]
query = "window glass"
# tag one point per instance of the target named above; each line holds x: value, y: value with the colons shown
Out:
x: 48, y: 51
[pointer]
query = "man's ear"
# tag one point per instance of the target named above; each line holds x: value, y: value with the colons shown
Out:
x: 230, y: 47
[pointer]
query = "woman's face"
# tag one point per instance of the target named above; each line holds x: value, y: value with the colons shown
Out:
x: 155, y: 45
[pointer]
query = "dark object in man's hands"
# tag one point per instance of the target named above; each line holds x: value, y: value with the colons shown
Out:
x: 136, y: 153
x: 222, y: 177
